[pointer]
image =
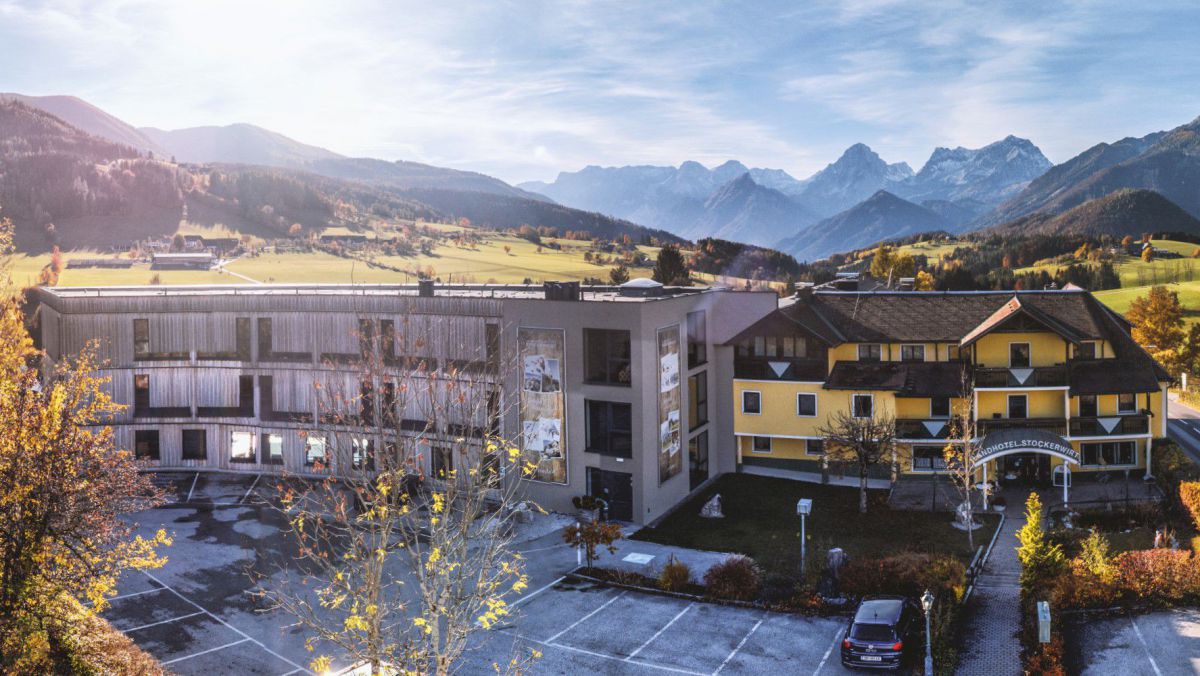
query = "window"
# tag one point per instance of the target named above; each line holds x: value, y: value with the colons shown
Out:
x: 1126, y: 403
x: 697, y: 460
x: 697, y: 400
x: 912, y: 353
x: 1109, y: 453
x: 272, y: 448
x: 266, y: 351
x: 195, y: 445
x: 1087, y: 406
x: 314, y: 451
x: 241, y: 351
x: 1018, y: 406
x: 761, y: 445
x: 141, y: 394
x: 953, y: 353
x: 939, y: 407
x: 442, y: 461
x: 362, y: 453
x: 806, y: 405
x: 869, y: 352
x: 1085, y: 350
x: 610, y: 428
x: 814, y: 447
x: 1018, y: 355
x: 145, y: 444
x: 862, y: 406
x: 774, y: 347
x: 266, y: 402
x: 697, y: 337
x: 141, y: 339
x: 491, y: 337
x: 608, y: 355
x: 928, y: 459
x: 751, y: 402
x: 241, y: 447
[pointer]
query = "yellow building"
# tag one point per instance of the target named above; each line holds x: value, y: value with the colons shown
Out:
x: 1052, y: 381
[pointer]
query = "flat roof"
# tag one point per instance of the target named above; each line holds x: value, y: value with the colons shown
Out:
x: 499, y: 291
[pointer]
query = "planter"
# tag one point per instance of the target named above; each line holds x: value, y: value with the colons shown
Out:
x: 998, y: 508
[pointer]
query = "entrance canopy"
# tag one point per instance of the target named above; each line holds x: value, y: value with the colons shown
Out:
x: 1018, y: 440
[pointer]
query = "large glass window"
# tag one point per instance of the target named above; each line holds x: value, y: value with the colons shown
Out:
x: 241, y: 447
x: 928, y: 459
x: 1109, y: 453
x: 610, y: 428
x: 912, y: 353
x: 697, y: 400
x: 751, y: 402
x: 697, y: 335
x: 195, y: 445
x: 869, y: 352
x: 806, y: 405
x: 862, y: 406
x: 608, y: 356
x: 272, y: 448
x: 145, y: 445
x: 315, y: 451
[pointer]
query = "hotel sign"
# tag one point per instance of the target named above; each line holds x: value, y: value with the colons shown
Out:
x: 1005, y: 442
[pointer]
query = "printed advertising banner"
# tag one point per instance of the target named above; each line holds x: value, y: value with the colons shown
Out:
x: 543, y: 407
x: 670, y: 455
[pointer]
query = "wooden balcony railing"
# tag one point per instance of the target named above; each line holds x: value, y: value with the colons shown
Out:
x: 916, y: 428
x: 1042, y: 376
x: 1095, y: 427
x: 1055, y: 425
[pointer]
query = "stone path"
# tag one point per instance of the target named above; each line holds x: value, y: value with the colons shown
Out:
x: 990, y: 643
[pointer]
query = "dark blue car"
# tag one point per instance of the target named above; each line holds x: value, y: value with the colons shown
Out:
x: 882, y: 634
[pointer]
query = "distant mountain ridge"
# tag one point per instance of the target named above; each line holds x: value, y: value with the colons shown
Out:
x: 1127, y: 211
x: 88, y: 118
x: 880, y: 217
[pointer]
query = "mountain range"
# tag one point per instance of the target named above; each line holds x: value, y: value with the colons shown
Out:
x: 769, y: 206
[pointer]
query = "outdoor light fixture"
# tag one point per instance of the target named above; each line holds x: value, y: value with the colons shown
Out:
x: 927, y: 605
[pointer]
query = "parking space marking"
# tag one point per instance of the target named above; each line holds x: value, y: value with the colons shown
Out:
x: 614, y: 658
x: 659, y: 632
x: 576, y: 623
x: 251, y: 489
x: 197, y: 606
x: 189, y: 495
x: 133, y: 594
x: 525, y: 598
x: 1145, y: 646
x: 739, y: 645
x: 205, y: 652
x: 155, y: 624
x: 828, y: 652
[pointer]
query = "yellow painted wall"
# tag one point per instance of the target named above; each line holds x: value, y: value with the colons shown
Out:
x: 1045, y: 348
x: 890, y: 352
x: 781, y: 449
x: 1042, y: 404
x: 778, y: 415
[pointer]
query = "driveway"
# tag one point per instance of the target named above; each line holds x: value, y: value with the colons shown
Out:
x: 1164, y: 643
x: 197, y: 615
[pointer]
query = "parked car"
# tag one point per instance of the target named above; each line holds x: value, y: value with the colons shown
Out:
x: 883, y: 634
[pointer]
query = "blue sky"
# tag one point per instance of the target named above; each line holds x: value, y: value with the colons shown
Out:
x: 522, y: 90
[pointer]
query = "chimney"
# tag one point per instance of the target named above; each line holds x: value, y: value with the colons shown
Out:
x: 425, y: 288
x: 804, y: 290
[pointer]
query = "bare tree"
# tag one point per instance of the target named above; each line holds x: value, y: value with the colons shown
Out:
x: 864, y: 442
x: 959, y: 454
x: 404, y: 549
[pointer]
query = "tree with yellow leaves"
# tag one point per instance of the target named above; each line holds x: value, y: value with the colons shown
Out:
x: 405, y: 550
x: 64, y: 488
x: 924, y: 281
x: 889, y: 265
x: 1157, y: 320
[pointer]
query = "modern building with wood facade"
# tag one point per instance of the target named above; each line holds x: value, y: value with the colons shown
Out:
x: 617, y: 391
x: 1053, y: 380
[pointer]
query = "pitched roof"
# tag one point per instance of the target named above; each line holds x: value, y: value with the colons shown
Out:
x: 906, y: 379
x: 1015, y: 308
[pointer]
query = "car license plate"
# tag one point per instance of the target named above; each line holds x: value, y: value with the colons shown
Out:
x: 872, y: 658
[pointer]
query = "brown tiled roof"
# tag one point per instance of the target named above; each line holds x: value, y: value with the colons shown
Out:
x: 1012, y: 309
x: 906, y: 379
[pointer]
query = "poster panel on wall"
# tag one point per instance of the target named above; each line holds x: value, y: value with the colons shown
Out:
x: 670, y: 456
x: 543, y: 407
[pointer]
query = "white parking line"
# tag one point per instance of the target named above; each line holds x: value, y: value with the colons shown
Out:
x: 189, y: 496
x: 526, y: 597
x: 828, y: 652
x: 133, y: 594
x: 155, y: 624
x: 576, y: 623
x: 197, y: 606
x: 659, y: 632
x: 204, y: 652
x: 1145, y: 646
x: 739, y: 646
x: 641, y: 663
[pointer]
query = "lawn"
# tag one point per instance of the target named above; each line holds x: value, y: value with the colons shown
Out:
x: 760, y: 521
x: 934, y: 251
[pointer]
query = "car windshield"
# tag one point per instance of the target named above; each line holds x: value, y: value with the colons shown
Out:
x: 871, y: 632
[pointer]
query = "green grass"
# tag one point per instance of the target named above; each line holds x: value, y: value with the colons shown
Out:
x: 934, y: 251
x: 760, y: 522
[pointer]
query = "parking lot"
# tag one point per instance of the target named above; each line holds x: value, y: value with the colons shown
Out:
x: 197, y: 614
x: 1163, y: 643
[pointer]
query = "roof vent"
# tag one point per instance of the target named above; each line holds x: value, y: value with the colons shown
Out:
x: 561, y: 290
x: 425, y: 288
x: 641, y: 287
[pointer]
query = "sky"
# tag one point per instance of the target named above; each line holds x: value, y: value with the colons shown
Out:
x: 524, y: 90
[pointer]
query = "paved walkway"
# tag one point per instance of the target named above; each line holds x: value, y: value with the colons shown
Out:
x: 991, y: 646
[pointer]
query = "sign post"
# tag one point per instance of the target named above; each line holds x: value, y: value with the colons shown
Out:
x: 803, y: 508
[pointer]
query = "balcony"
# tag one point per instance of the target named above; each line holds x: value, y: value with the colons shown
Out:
x: 1041, y: 376
x: 1110, y: 426
x: 1055, y: 425
x: 758, y: 368
x: 923, y: 429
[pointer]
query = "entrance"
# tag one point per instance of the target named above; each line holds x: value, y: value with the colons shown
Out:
x: 616, y: 488
x: 1027, y: 468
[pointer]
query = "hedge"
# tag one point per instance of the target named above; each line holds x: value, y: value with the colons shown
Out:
x: 1189, y: 495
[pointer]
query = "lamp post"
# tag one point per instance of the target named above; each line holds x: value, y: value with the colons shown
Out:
x: 803, y: 508
x: 927, y: 605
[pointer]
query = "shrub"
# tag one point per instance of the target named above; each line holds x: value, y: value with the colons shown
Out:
x: 1047, y: 659
x: 1159, y: 574
x: 1189, y: 495
x: 778, y: 589
x: 908, y: 574
x: 1092, y: 580
x: 737, y: 577
x: 1041, y: 560
x: 675, y: 576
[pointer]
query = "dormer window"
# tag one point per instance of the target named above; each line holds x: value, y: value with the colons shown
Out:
x: 1086, y: 350
x: 869, y: 352
x: 912, y: 353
